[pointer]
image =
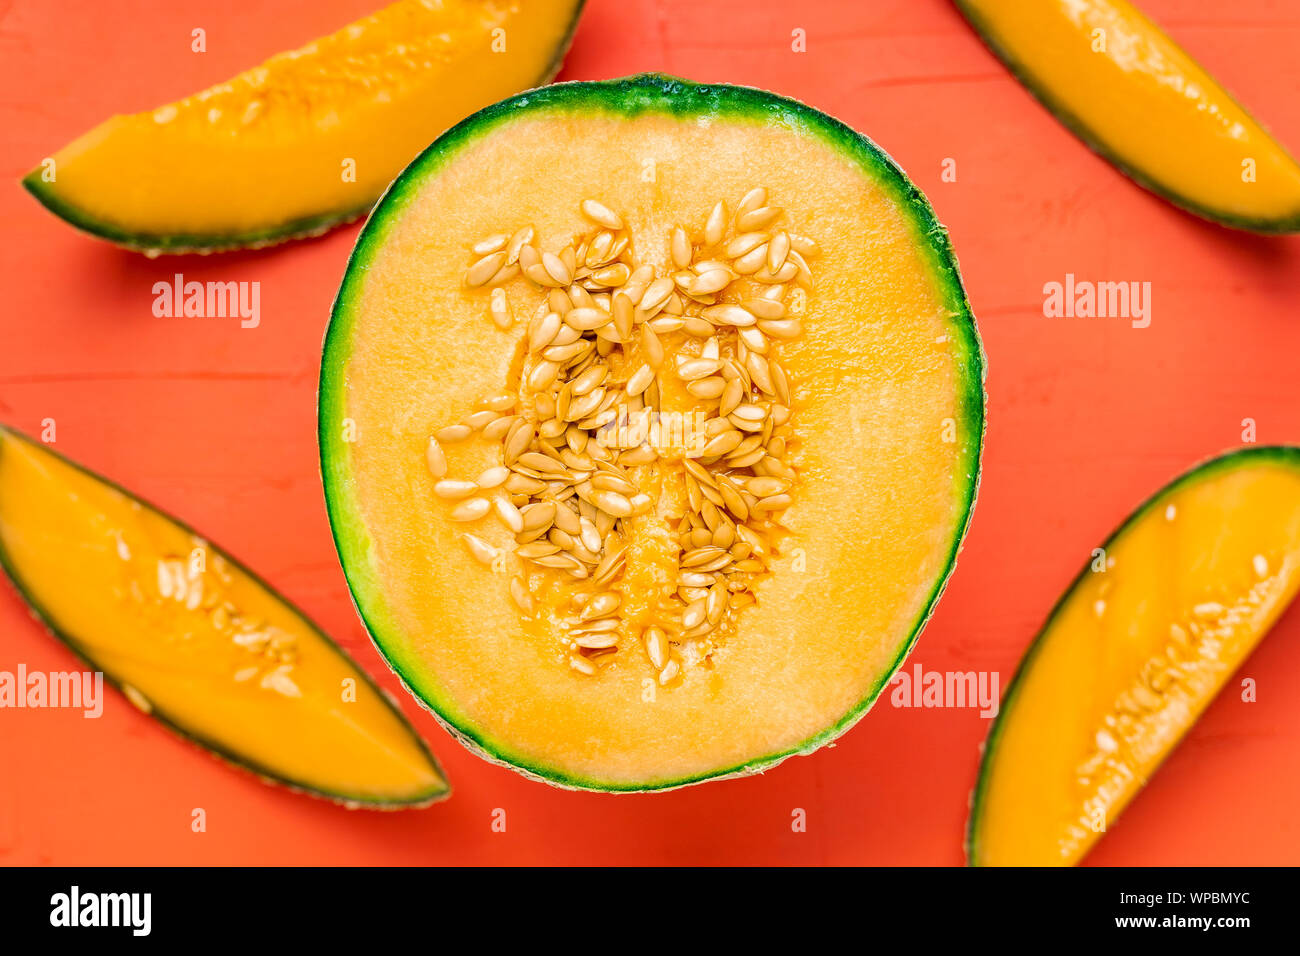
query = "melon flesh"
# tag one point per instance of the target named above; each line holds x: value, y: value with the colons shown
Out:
x: 888, y: 407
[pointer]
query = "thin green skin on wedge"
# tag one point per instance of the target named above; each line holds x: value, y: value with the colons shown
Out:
x: 152, y: 243
x: 181, y: 243
x: 175, y: 722
x: 632, y: 96
x: 1147, y: 180
x: 1288, y: 455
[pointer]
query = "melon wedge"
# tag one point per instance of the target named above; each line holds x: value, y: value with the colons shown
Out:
x: 1134, y: 652
x: 194, y: 639
x: 1116, y: 80
x: 858, y: 498
x: 308, y: 139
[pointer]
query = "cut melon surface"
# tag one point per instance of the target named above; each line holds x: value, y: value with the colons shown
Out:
x: 308, y: 139
x: 885, y: 425
x: 194, y: 639
x: 1124, y: 87
x: 1133, y: 653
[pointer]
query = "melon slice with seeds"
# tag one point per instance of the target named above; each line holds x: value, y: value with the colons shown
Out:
x: 648, y: 456
x: 306, y: 140
x: 1134, y: 652
x: 194, y: 639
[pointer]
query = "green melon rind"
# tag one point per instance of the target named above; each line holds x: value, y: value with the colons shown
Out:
x: 1286, y: 455
x: 154, y: 244
x: 1149, y: 181
x: 175, y: 722
x: 628, y: 96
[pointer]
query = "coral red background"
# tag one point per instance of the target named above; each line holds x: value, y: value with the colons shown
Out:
x: 1086, y: 417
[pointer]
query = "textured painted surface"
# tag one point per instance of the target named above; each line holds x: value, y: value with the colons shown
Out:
x: 1086, y: 417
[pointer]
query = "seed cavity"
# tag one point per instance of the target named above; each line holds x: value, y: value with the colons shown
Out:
x: 576, y: 463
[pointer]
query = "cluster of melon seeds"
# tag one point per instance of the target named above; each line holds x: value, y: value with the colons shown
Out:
x: 202, y: 590
x: 586, y: 423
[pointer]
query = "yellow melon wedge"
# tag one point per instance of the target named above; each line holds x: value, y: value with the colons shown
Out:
x: 1135, y: 96
x: 193, y: 638
x: 308, y: 139
x: 1134, y: 652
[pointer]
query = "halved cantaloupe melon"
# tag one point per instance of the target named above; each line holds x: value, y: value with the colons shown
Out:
x: 706, y: 405
x: 194, y: 639
x: 1125, y: 88
x: 308, y: 139
x: 1135, y: 650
